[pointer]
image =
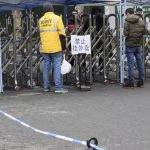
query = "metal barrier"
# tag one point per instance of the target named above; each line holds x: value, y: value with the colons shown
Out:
x: 108, y: 52
x: 21, y: 58
x: 1, y: 80
x: 20, y: 51
x: 146, y: 51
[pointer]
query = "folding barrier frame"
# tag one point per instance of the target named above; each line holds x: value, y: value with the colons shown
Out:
x: 1, y: 81
x: 33, y: 45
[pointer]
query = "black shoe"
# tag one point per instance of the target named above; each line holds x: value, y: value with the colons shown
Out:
x: 140, y: 83
x: 129, y: 84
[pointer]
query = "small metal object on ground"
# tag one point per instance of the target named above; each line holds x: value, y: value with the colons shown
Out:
x: 85, y: 88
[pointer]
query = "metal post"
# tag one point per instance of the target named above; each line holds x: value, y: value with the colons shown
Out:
x: 123, y: 20
x: 90, y: 65
x: 1, y: 80
x: 76, y: 57
x: 104, y: 48
x: 16, y: 87
x: 121, y: 46
x: 30, y: 48
x: 117, y: 37
x: 143, y: 52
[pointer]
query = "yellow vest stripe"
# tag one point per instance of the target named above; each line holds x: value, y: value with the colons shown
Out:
x: 61, y: 29
x: 52, y: 30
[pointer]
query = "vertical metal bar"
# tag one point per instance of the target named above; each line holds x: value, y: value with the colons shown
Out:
x: 65, y: 24
x: 30, y: 48
x: 90, y: 65
x: 124, y: 47
x: 5, y: 57
x: 1, y: 80
x: 144, y: 56
x: 93, y: 25
x: 28, y: 42
x: 117, y: 48
x: 104, y: 47
x: 144, y: 51
x: 14, y: 51
x: 27, y: 21
x: 76, y: 56
x: 121, y: 46
x: 6, y: 25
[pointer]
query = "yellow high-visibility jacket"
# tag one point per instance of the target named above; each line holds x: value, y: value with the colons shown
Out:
x: 51, y: 26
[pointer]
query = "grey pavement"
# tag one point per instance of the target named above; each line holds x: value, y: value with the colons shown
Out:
x: 119, y: 118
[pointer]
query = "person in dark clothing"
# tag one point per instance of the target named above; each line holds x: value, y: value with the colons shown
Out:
x: 99, y: 19
x: 134, y: 29
x: 139, y: 12
x: 71, y: 21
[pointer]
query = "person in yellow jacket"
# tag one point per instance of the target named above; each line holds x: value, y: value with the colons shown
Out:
x: 53, y: 42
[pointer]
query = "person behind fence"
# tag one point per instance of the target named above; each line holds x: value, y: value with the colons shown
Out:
x: 140, y: 13
x: 53, y: 43
x: 134, y: 29
x: 98, y: 19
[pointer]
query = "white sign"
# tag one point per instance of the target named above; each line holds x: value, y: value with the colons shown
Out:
x: 80, y: 44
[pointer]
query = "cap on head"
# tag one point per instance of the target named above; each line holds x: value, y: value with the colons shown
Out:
x: 48, y: 7
x: 139, y: 9
x: 130, y: 11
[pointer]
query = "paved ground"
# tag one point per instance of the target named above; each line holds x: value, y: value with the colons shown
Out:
x: 119, y: 118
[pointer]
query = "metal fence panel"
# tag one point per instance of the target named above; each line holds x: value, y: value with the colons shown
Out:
x: 1, y: 83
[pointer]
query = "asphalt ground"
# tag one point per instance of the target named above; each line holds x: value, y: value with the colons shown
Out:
x: 119, y: 118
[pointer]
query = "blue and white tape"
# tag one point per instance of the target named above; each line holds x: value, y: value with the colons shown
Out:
x: 49, y: 133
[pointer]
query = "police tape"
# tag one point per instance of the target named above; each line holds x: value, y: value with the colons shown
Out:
x: 87, y: 143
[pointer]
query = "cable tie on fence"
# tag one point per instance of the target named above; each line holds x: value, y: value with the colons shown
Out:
x: 49, y: 134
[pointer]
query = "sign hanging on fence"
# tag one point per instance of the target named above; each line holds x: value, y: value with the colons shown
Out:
x: 80, y: 44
